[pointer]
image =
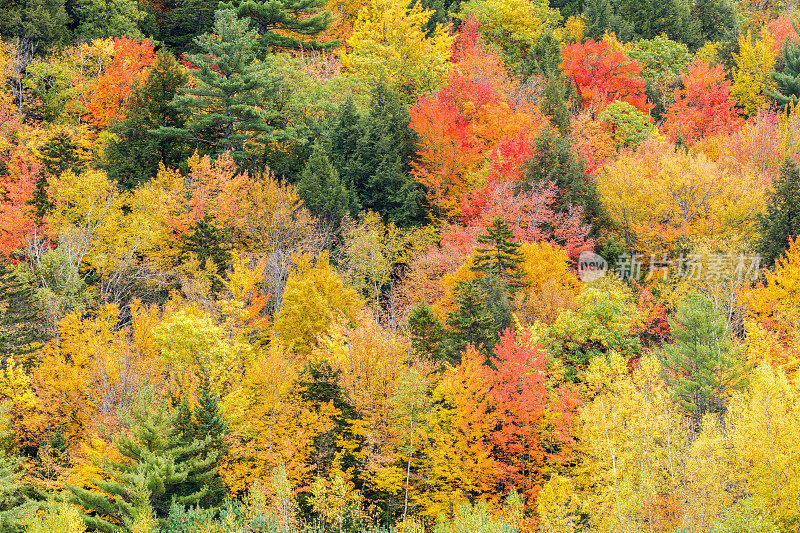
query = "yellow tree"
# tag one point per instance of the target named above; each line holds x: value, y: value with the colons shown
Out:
x: 389, y: 43
x: 630, y: 440
x: 314, y: 299
x: 752, y: 79
x: 762, y: 426
x: 773, y: 331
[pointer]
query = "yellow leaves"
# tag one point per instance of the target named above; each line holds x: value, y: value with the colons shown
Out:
x: 752, y: 79
x: 512, y: 22
x: 314, y: 298
x: 655, y: 197
x: 762, y: 424
x: 558, y: 505
x: 774, y: 331
x: 389, y: 43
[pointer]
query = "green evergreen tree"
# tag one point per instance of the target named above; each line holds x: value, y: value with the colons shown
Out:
x: 157, y: 468
x: 276, y: 18
x: 651, y: 18
x: 554, y: 161
x: 206, y: 241
x: 101, y: 19
x: 787, y: 76
x: 34, y: 24
x: 544, y: 59
x: 323, y: 191
x: 601, y: 18
x: 16, y: 506
x: 484, y: 311
x: 135, y: 153
x: 185, y: 20
x: 380, y: 165
x: 318, y: 384
x: 781, y: 221
x: 498, y: 255
x: 702, y: 367
x: 228, y: 101
x: 209, y: 426
x: 717, y: 19
x: 58, y: 155
x: 21, y: 323
x: 427, y: 334
x: 345, y: 133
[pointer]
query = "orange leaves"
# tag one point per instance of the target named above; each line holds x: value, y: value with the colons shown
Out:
x: 704, y: 107
x: 109, y: 93
x: 602, y: 75
x: 460, y: 125
x: 17, y: 182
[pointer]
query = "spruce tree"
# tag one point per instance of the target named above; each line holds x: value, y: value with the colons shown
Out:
x: 498, y: 255
x: 554, y: 161
x: 484, y: 311
x: 380, y: 166
x: 133, y: 157
x: 782, y: 218
x: 228, y: 101
x: 787, y: 76
x: 427, y: 333
x: 702, y: 367
x: 157, y: 467
x: 20, y: 321
x: 323, y: 191
x: 280, y: 21
x: 210, y: 427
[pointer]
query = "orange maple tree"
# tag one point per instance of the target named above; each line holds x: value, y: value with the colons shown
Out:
x: 602, y: 75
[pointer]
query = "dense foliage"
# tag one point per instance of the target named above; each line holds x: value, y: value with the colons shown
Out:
x: 376, y: 265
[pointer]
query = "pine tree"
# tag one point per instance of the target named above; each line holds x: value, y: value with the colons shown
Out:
x: 498, y: 255
x: 134, y: 155
x: 427, y: 333
x: 209, y: 426
x: 787, y: 76
x: 782, y: 219
x: 16, y: 507
x: 157, y: 468
x: 554, y: 161
x: 186, y: 20
x: 702, y: 367
x: 279, y: 20
x: 20, y: 321
x: 228, y: 99
x: 207, y: 241
x: 381, y: 164
x: 322, y: 190
x: 484, y: 311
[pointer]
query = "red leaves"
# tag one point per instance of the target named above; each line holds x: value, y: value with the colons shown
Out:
x: 130, y: 64
x: 602, y: 75
x: 533, y: 418
x: 704, y: 106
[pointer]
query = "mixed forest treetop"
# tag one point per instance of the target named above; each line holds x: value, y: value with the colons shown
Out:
x: 388, y: 265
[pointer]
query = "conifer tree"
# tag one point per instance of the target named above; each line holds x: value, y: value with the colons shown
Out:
x: 498, y: 255
x: 787, y: 76
x: 279, y: 20
x: 210, y: 427
x: 702, y: 367
x: 157, y: 467
x: 228, y: 99
x: 20, y: 320
x: 554, y: 161
x: 484, y: 311
x: 322, y: 190
x: 782, y: 218
x: 134, y: 155
x: 381, y: 164
x: 427, y: 333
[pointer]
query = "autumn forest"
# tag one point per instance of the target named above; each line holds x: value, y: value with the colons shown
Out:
x: 399, y: 266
